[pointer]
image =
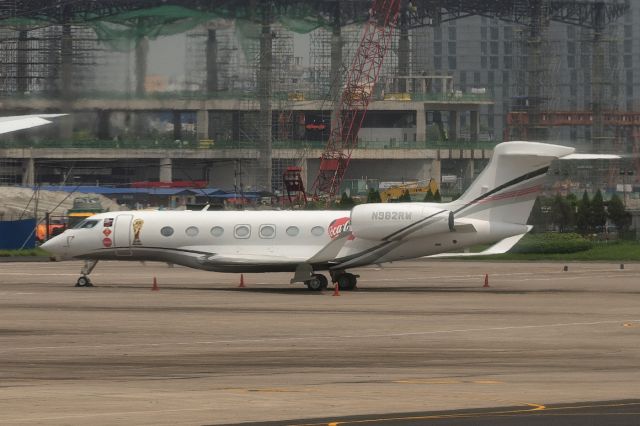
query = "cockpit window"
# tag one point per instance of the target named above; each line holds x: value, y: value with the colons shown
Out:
x: 86, y: 224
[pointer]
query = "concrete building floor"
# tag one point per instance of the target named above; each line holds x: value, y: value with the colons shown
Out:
x: 417, y: 336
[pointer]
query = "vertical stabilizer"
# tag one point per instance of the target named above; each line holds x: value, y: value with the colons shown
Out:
x: 507, y: 188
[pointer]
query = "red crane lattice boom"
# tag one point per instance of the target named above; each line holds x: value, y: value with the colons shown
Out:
x: 356, y: 94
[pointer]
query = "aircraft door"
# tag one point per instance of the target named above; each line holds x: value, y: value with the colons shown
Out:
x: 122, y: 234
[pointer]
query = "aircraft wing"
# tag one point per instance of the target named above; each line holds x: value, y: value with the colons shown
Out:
x: 330, y: 251
x: 248, y: 259
x: 277, y: 255
x: 20, y: 122
x: 500, y: 247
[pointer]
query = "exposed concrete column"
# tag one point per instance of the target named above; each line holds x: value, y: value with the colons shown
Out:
x: 436, y: 171
x: 597, y: 77
x: 474, y: 126
x: 336, y: 61
x: 235, y: 126
x: 403, y: 52
x: 66, y: 66
x: 141, y: 53
x: 177, y: 125
x: 265, y: 166
x: 471, y: 170
x: 212, y: 62
x: 104, y: 121
x: 28, y: 172
x: 202, y: 124
x: 421, y: 124
x: 454, y: 125
x: 166, y: 170
x: 304, y: 174
x: 22, y: 60
x: 66, y: 80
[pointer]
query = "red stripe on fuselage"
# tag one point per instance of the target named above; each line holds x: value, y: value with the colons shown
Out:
x: 511, y: 194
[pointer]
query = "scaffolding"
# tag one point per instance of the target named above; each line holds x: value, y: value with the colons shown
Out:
x: 33, y: 61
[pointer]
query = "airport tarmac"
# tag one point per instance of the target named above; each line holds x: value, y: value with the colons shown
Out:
x: 417, y: 336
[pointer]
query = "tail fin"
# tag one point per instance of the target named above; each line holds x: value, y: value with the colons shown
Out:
x: 506, y: 189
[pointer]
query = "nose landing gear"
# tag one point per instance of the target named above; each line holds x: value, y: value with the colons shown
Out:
x: 84, y: 280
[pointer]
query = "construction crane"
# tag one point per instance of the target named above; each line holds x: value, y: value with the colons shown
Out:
x: 356, y: 94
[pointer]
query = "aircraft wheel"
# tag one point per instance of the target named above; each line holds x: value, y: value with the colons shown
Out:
x: 314, y: 284
x: 346, y: 282
x: 323, y: 280
x: 84, y: 282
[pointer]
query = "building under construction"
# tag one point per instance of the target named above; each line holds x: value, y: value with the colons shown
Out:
x: 458, y: 78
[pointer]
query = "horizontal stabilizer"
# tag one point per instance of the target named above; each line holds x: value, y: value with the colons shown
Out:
x: 21, y: 122
x: 590, y: 157
x: 500, y: 247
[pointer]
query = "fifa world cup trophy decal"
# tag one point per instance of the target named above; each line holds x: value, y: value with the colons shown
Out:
x: 137, y: 227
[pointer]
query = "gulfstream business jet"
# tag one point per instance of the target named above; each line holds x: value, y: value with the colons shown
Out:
x: 495, y: 208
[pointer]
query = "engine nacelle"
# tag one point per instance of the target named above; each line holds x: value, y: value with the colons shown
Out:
x: 397, y: 220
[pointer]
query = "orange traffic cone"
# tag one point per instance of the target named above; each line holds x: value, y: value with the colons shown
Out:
x: 486, y: 281
x: 336, y: 289
x: 155, y: 285
x: 241, y: 281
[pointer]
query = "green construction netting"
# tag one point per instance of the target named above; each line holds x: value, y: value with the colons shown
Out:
x: 123, y: 30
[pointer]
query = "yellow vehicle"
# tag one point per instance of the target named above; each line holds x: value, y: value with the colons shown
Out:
x: 396, y: 191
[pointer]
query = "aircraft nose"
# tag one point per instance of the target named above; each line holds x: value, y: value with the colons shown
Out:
x: 53, y: 246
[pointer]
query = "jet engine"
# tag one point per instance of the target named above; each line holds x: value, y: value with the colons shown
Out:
x: 394, y: 221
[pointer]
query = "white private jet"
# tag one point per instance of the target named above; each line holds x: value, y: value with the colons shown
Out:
x: 495, y: 208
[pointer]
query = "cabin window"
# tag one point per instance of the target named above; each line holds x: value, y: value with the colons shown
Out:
x: 217, y: 231
x: 167, y: 231
x: 242, y: 231
x: 292, y: 231
x: 191, y: 231
x: 267, y: 231
x: 317, y: 231
x: 86, y: 224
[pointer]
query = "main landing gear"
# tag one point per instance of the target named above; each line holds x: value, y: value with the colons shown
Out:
x: 84, y: 280
x: 345, y: 280
x: 318, y: 282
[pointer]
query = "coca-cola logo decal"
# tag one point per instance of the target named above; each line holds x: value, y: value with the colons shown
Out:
x: 339, y: 227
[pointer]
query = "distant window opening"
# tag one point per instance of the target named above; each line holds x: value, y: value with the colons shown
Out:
x: 267, y: 231
x: 217, y: 231
x: 242, y: 231
x: 293, y: 231
x: 191, y: 231
x: 317, y: 231
x: 166, y: 231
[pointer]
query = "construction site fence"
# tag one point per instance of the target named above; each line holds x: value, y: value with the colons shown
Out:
x: 213, y: 145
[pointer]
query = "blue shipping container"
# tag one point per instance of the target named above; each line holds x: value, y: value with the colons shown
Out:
x: 14, y: 233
